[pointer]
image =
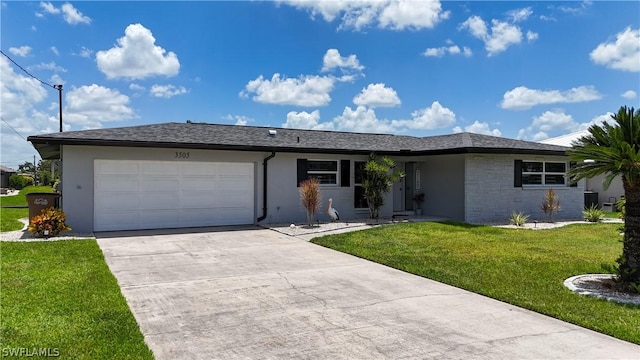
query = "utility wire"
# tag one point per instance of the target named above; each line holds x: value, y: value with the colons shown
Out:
x: 14, y: 130
x: 26, y: 72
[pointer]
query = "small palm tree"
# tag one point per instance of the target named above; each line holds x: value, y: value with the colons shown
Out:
x: 614, y: 149
x: 380, y: 174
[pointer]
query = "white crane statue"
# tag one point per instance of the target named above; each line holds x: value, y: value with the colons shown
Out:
x: 333, y: 213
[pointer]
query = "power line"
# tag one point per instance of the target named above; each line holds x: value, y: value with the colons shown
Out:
x: 14, y: 130
x: 26, y: 72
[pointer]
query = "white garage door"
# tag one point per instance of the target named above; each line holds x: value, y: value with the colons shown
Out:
x: 132, y: 194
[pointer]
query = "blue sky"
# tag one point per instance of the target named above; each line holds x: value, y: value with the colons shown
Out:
x: 527, y: 70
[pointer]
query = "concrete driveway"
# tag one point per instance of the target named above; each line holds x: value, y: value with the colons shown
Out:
x: 248, y: 292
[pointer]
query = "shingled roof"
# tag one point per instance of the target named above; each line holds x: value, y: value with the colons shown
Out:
x: 256, y: 138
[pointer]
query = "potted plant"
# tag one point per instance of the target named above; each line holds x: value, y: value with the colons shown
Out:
x: 419, y: 199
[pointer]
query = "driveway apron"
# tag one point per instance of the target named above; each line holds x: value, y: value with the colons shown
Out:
x: 253, y: 293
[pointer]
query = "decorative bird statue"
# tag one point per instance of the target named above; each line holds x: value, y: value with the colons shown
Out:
x: 333, y: 213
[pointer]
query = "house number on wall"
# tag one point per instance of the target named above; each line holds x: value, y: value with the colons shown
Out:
x: 182, y: 155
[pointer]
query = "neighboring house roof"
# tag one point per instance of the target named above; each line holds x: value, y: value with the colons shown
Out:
x: 5, y: 169
x: 565, y: 140
x: 254, y: 138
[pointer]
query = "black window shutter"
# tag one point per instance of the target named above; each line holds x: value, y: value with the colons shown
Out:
x: 345, y: 173
x: 302, y: 171
x: 517, y: 173
x: 572, y: 164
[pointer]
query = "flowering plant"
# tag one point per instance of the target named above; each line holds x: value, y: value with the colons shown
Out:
x: 50, y: 222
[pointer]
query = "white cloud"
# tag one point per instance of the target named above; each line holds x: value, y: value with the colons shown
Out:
x: 49, y: 8
x: 531, y: 36
x: 240, y: 120
x: 20, y: 51
x: 377, y: 95
x: 501, y: 36
x: 558, y: 122
x: 20, y: 97
x: 400, y: 15
x: 136, y: 56
x: 85, y: 52
x: 576, y: 10
x: 362, y: 119
x: 55, y: 50
x: 522, y: 98
x: 623, y: 54
x: 73, y: 16
x: 547, y: 18
x: 332, y: 60
x: 629, y: 94
x: 478, y: 128
x: 50, y: 66
x: 70, y: 14
x: 520, y: 14
x: 90, y: 106
x: 136, y: 87
x: 451, y: 50
x: 386, y: 14
x: 167, y: 91
x: 305, y: 120
x: 434, y: 117
x: 56, y: 80
x: 303, y: 91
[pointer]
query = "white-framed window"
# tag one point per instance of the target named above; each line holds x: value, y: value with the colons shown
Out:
x: 544, y: 173
x: 359, y: 201
x: 326, y: 171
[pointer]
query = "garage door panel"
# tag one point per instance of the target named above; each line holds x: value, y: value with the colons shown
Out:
x: 159, y: 168
x: 168, y: 218
x: 117, y: 183
x: 159, y: 201
x: 198, y: 184
x: 143, y: 194
x: 235, y: 169
x: 118, y: 200
x: 118, y: 167
x: 190, y: 169
x: 118, y: 220
x: 157, y: 184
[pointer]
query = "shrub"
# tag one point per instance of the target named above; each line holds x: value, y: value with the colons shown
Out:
x: 518, y: 219
x: 593, y: 214
x: 310, y: 198
x: 50, y: 222
x: 17, y: 182
x: 550, y: 205
x: 379, y: 176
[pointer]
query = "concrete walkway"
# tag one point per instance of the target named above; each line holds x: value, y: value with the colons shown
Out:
x: 253, y: 293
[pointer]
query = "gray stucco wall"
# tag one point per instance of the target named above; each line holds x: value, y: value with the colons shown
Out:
x: 284, y: 197
x: 443, y: 185
x: 283, y: 203
x: 490, y: 195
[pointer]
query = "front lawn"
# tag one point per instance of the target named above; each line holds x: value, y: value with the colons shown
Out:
x: 525, y: 268
x: 61, y: 296
x: 9, y: 216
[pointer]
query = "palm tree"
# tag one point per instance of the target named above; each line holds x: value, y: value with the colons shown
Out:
x: 614, y: 149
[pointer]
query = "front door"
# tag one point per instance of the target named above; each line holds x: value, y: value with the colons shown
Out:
x: 409, y: 181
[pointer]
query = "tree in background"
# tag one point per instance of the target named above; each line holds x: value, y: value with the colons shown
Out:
x: 379, y: 176
x: 612, y: 150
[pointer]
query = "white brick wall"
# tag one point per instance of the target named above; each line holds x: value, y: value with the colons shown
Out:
x: 491, y: 197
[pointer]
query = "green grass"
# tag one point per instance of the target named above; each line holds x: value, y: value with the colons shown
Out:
x: 9, y: 216
x: 61, y: 295
x: 523, y: 267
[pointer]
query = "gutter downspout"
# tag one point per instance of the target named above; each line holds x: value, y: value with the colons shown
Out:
x: 264, y: 186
